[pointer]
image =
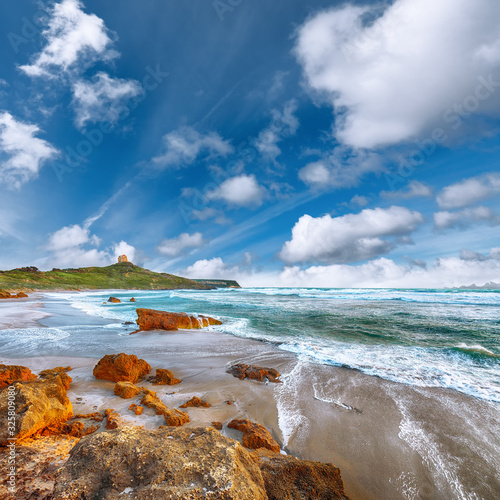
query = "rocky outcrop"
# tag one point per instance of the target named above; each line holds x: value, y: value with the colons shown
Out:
x: 164, y: 377
x: 13, y: 373
x: 121, y: 368
x: 136, y: 409
x: 122, y: 258
x: 149, y: 319
x: 173, y: 418
x: 132, y: 300
x: 7, y: 295
x: 253, y: 372
x: 40, y: 405
x: 195, y: 402
x: 114, y: 300
x: 194, y: 463
x: 286, y: 477
x: 61, y: 371
x: 126, y: 390
x: 113, y: 420
x: 254, y: 435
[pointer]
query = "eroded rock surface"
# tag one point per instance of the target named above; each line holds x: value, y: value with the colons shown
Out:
x: 173, y: 418
x: 254, y: 435
x: 121, y: 368
x: 254, y: 372
x: 13, y: 373
x: 195, y: 402
x: 164, y: 377
x: 149, y: 319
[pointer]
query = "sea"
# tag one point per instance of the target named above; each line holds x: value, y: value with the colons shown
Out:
x: 425, y: 337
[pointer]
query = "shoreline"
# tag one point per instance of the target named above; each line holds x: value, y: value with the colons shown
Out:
x: 368, y: 427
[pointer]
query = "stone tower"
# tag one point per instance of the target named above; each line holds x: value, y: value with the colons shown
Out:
x: 122, y: 258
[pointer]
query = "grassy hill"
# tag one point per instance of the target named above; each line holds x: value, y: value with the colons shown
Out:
x: 124, y: 275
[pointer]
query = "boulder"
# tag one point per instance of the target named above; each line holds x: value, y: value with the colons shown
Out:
x: 254, y: 372
x: 195, y: 402
x: 21, y: 295
x: 164, y: 377
x: 126, y: 390
x: 121, y: 368
x: 254, y: 435
x: 173, y: 418
x: 61, y: 371
x: 13, y: 373
x: 5, y: 295
x: 132, y: 300
x: 114, y: 300
x: 136, y: 409
x: 113, y: 420
x: 287, y: 477
x: 217, y: 425
x: 193, y: 463
x: 149, y: 319
x: 38, y: 404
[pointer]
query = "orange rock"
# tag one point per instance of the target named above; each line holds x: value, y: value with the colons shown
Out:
x: 98, y: 417
x: 113, y: 420
x: 217, y: 425
x: 73, y: 428
x: 61, y: 371
x: 164, y: 377
x: 121, y: 368
x: 122, y: 258
x: 253, y: 372
x: 136, y: 409
x: 174, y: 418
x: 12, y: 373
x: 195, y: 402
x: 21, y: 295
x: 132, y: 300
x: 254, y: 435
x: 126, y: 390
x: 149, y: 319
x: 114, y: 300
x: 5, y: 295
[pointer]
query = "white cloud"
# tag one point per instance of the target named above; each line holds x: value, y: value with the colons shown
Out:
x: 284, y: 124
x: 184, y: 145
x: 242, y: 190
x: 465, y: 217
x: 72, y: 37
x: 71, y: 246
x: 176, y: 246
x: 210, y: 213
x: 23, y: 153
x: 415, y: 189
x: 391, y: 80
x: 211, y: 269
x: 359, y: 200
x: 349, y: 238
x: 469, y: 191
x: 102, y: 98
x: 343, y: 168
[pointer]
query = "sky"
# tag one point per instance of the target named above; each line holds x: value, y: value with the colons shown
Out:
x: 287, y: 143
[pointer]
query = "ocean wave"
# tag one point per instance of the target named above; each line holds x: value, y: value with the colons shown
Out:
x: 475, y: 349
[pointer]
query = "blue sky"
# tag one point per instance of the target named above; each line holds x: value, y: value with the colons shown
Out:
x: 282, y: 143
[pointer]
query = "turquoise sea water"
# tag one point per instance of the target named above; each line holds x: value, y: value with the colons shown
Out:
x: 429, y: 338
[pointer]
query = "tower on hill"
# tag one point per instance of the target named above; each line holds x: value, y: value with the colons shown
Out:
x: 122, y: 258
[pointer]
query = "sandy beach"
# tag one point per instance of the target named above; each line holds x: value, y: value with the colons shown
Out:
x: 390, y: 440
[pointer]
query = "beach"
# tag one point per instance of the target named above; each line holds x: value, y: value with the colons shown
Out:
x: 389, y: 439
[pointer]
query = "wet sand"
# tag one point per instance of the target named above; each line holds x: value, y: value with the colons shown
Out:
x: 390, y: 440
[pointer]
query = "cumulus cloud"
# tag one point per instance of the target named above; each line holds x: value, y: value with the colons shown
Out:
x: 390, y: 78
x: 415, y: 189
x: 242, y: 190
x: 75, y: 246
x: 176, y: 246
x: 101, y: 99
x: 284, y: 124
x: 211, y: 269
x: 349, y: 238
x: 22, y: 154
x: 344, y: 168
x: 469, y: 191
x: 72, y: 38
x: 184, y: 145
x: 465, y: 217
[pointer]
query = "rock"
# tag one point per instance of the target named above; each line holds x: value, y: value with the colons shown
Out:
x: 5, y: 295
x: 21, y: 295
x: 164, y: 377
x: 149, y: 319
x: 122, y: 258
x: 12, y: 373
x: 132, y: 300
x: 126, y: 390
x: 114, y: 300
x: 193, y: 463
x: 61, y: 371
x: 39, y: 405
x: 113, y: 420
x: 217, y: 425
x: 98, y: 417
x: 254, y: 372
x: 136, y: 409
x: 73, y: 428
x: 254, y: 435
x: 195, y: 402
x: 121, y: 368
x: 287, y: 477
x: 174, y: 418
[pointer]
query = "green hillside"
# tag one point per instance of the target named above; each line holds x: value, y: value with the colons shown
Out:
x: 124, y: 275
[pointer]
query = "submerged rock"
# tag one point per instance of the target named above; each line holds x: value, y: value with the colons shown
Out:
x: 164, y: 377
x: 149, y: 319
x: 254, y: 372
x: 195, y: 402
x: 114, y: 300
x: 193, y: 463
x: 121, y: 368
x: 254, y: 435
x: 133, y: 299
x: 287, y: 477
x: 13, y: 373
